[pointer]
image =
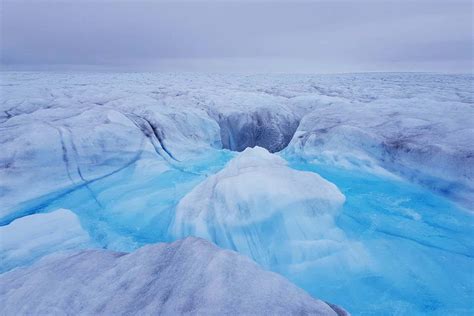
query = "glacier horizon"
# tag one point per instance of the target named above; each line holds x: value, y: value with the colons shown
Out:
x: 130, y: 155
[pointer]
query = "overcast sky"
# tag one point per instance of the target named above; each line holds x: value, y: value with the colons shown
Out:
x: 288, y: 36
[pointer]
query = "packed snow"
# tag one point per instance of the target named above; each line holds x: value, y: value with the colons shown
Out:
x: 187, y: 277
x: 362, y: 196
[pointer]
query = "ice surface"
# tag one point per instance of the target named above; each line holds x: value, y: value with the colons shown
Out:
x: 93, y: 125
x: 121, y: 151
x: 187, y: 277
x: 423, y: 136
x: 259, y: 206
x: 72, y: 136
x: 34, y: 236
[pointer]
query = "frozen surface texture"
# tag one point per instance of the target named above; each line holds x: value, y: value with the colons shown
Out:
x: 359, y: 189
x: 259, y: 206
x: 34, y: 236
x: 187, y: 277
x: 428, y: 141
x: 72, y: 129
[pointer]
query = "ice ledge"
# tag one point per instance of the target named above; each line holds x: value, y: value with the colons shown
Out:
x: 31, y: 237
x: 189, y: 276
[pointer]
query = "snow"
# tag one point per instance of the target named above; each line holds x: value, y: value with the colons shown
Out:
x: 31, y: 237
x: 190, y: 276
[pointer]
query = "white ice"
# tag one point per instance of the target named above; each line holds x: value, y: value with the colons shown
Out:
x: 31, y: 237
x: 69, y: 130
x: 259, y: 206
x: 425, y: 140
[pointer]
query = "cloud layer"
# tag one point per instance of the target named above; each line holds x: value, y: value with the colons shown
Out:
x: 321, y: 36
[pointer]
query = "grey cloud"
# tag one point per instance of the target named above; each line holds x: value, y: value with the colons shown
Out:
x: 355, y: 35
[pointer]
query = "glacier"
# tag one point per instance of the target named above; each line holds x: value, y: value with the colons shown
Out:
x: 358, y: 188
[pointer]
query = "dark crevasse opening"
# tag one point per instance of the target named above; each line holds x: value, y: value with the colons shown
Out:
x: 272, y: 131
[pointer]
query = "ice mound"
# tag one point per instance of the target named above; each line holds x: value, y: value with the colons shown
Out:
x: 258, y: 206
x: 34, y: 236
x: 187, y: 277
x: 262, y: 184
